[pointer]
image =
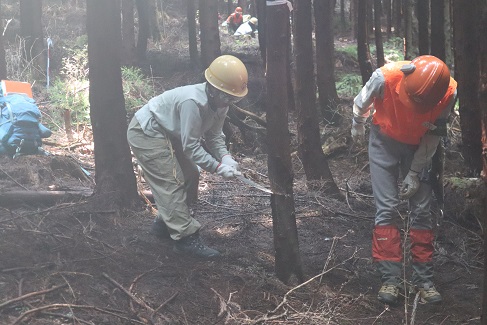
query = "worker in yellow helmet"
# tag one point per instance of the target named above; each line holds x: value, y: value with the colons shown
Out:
x: 165, y: 137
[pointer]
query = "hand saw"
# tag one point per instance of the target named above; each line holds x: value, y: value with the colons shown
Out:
x: 254, y: 184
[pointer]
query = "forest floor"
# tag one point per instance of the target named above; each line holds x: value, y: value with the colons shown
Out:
x: 65, y: 263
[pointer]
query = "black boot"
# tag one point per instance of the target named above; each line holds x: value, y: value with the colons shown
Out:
x: 192, y: 245
x: 159, y: 229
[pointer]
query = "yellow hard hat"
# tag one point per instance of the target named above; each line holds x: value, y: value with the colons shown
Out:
x: 228, y: 74
x: 254, y: 21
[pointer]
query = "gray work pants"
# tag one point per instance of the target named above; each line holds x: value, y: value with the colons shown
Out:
x: 172, y: 177
x: 388, y: 158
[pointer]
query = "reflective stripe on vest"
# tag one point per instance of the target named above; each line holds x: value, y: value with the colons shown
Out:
x: 399, y: 121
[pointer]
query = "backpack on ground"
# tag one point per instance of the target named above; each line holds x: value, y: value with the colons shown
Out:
x: 21, y: 132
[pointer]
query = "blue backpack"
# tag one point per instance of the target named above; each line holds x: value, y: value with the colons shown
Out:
x: 20, y: 128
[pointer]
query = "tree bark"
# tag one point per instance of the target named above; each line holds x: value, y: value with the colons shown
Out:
x: 408, y: 29
x: 388, y: 13
x: 325, y: 60
x: 115, y: 179
x: 144, y: 29
x: 466, y: 22
x: 483, y: 105
x: 3, y: 62
x: 378, y: 33
x: 210, y: 34
x: 32, y: 35
x: 315, y: 164
x: 286, y: 245
x: 423, y: 14
x: 192, y: 39
x: 397, y: 13
x: 128, y: 33
x: 363, y: 52
x: 261, y: 15
x: 437, y: 28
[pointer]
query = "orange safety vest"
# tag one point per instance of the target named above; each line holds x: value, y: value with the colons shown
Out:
x: 235, y: 18
x: 399, y: 121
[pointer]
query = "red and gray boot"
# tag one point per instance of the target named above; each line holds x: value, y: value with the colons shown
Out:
x: 422, y: 254
x: 387, y: 255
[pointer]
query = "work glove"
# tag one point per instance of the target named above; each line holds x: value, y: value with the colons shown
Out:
x: 358, y: 132
x: 228, y: 160
x: 227, y: 171
x: 410, y: 185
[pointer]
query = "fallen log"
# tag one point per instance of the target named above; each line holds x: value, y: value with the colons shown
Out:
x: 17, y: 198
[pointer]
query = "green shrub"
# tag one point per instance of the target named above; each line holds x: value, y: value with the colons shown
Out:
x: 137, y: 89
x: 349, y: 85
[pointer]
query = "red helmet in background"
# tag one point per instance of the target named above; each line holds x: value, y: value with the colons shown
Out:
x: 239, y: 10
x: 424, y: 83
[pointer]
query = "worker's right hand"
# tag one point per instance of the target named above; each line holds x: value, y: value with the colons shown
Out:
x: 358, y: 132
x: 227, y: 171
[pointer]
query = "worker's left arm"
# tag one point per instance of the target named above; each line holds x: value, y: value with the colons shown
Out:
x: 429, y: 142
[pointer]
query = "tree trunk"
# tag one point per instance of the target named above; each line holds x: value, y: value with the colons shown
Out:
x: 408, y: 29
x: 466, y: 24
x: 144, y: 29
x: 378, y: 33
x: 128, y: 33
x: 423, y: 14
x: 437, y: 28
x: 3, y: 62
x: 397, y: 13
x: 261, y: 15
x: 325, y: 60
x: 115, y: 179
x: 210, y: 36
x: 353, y: 19
x: 483, y: 107
x: 309, y: 142
x: 154, y: 21
x: 388, y: 12
x: 343, y: 21
x: 31, y: 32
x: 192, y: 39
x: 363, y: 52
x: 286, y: 245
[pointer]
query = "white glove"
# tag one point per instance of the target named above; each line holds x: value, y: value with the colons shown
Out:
x: 227, y: 171
x: 358, y: 132
x: 410, y: 185
x: 228, y: 160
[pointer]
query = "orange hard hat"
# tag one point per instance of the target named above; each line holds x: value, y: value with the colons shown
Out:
x: 424, y: 83
x: 238, y: 9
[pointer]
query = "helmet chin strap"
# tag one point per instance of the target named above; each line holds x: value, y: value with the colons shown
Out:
x: 210, y: 92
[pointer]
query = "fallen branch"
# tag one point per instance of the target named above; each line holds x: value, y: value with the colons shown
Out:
x: 56, y: 306
x: 138, y: 301
x: 30, y: 295
x: 239, y: 123
x: 15, y: 198
x: 253, y: 116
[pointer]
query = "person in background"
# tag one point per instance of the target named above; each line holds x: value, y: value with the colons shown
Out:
x: 234, y: 20
x: 249, y: 27
x: 166, y: 136
x: 411, y: 101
